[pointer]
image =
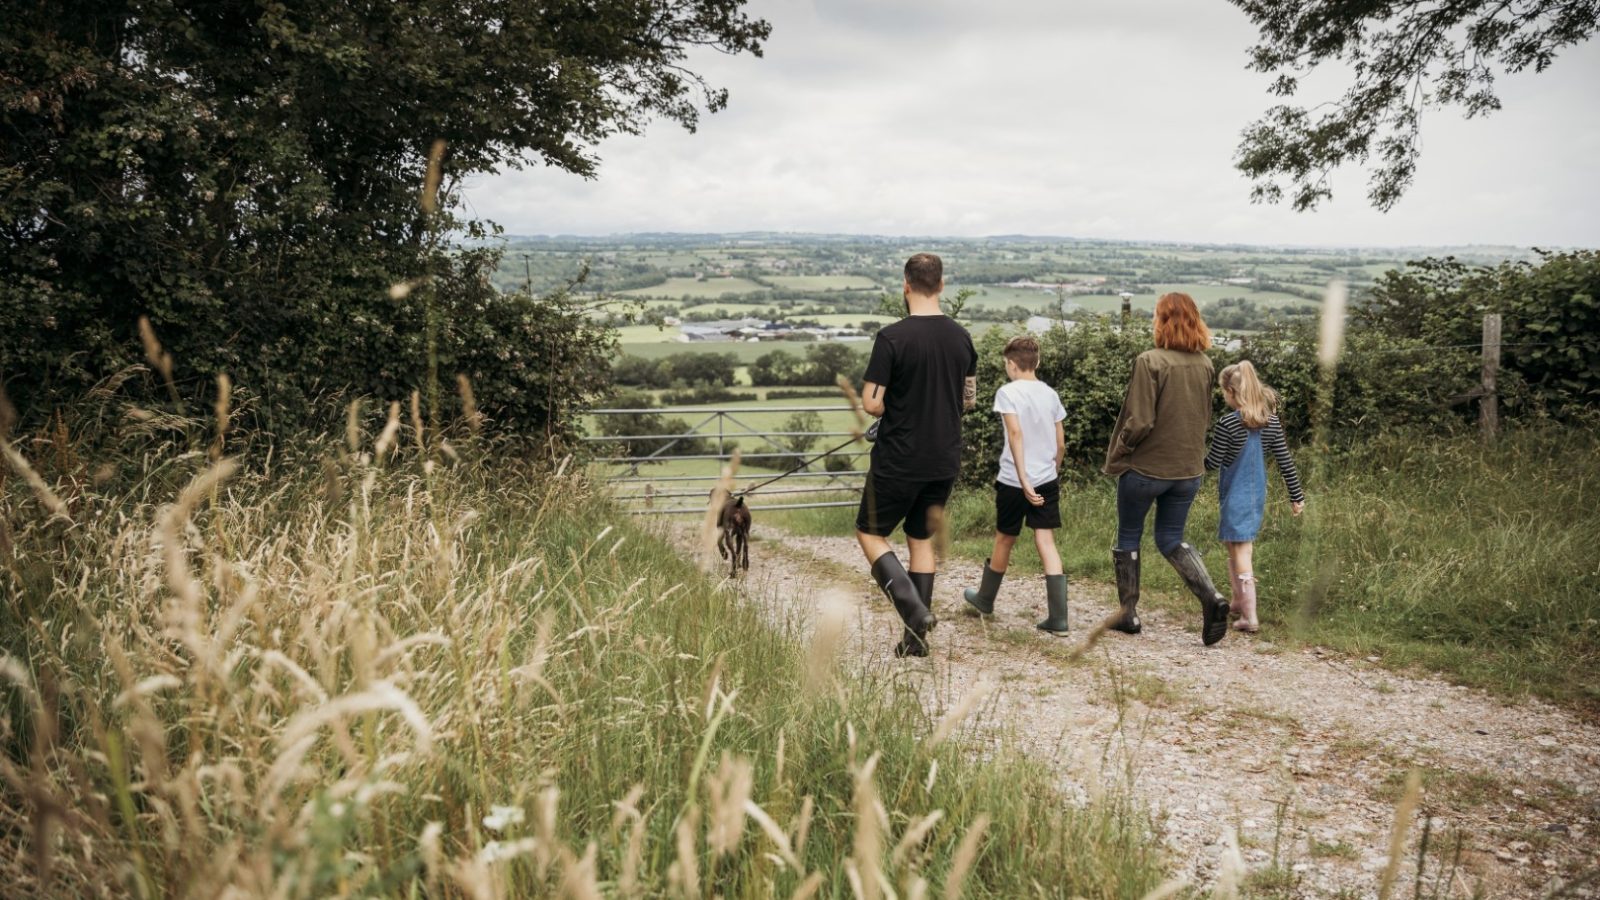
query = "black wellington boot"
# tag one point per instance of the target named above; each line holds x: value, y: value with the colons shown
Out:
x: 910, y: 643
x: 891, y: 577
x: 1055, y: 593
x: 982, y: 597
x: 1213, y: 606
x: 1126, y: 563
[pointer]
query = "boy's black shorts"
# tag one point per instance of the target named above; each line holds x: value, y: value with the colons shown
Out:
x: 1011, y: 508
x: 885, y: 502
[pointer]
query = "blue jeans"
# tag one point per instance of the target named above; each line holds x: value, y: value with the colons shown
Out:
x: 1172, y: 499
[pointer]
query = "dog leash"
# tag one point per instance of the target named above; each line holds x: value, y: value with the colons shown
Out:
x: 870, y: 434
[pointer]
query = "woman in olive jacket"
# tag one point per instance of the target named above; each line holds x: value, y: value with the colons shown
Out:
x: 1158, y: 453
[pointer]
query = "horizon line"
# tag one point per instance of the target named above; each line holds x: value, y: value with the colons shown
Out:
x: 835, y: 235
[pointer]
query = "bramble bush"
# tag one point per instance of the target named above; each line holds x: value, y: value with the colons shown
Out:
x: 642, y: 425
x: 1550, y: 319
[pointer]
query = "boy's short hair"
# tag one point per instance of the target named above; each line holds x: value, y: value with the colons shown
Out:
x: 925, y: 274
x: 1024, y: 351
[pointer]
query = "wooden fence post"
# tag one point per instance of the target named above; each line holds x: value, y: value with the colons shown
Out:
x: 1489, y: 404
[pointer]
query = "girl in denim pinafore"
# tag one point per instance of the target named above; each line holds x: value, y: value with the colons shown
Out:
x: 1239, y: 446
x: 1242, y: 490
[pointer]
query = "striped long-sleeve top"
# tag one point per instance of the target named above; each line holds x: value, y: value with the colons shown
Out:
x: 1227, y: 440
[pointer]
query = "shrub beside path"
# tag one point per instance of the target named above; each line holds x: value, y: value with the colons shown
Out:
x: 1301, y: 753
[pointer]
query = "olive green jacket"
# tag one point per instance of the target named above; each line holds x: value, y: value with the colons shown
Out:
x: 1161, y: 432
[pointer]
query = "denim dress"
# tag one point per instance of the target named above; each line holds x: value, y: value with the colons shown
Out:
x: 1242, y: 489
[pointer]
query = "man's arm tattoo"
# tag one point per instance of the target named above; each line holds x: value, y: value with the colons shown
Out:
x: 877, y: 391
x: 969, y: 392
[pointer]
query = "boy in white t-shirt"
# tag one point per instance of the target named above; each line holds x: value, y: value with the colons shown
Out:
x: 1027, y: 488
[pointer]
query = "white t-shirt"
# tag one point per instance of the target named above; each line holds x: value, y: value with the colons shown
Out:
x: 1038, y: 409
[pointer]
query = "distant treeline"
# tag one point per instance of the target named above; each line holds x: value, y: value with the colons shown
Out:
x: 821, y: 364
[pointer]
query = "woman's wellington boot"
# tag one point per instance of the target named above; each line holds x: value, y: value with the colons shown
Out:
x: 1126, y: 563
x: 1213, y: 606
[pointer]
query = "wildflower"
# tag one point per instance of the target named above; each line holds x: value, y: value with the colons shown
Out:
x: 502, y: 817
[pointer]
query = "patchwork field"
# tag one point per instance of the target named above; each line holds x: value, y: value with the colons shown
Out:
x: 732, y: 309
x: 823, y: 282
x: 1210, y: 293
x: 743, y: 351
x: 695, y: 287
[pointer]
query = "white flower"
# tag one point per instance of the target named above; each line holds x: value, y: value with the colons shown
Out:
x: 502, y: 817
x: 495, y: 851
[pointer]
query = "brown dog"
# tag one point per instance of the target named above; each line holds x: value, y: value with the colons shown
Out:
x: 734, y: 520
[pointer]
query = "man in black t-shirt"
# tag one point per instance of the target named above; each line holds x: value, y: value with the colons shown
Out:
x: 922, y: 374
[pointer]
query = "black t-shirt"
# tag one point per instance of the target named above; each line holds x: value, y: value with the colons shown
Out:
x: 922, y: 362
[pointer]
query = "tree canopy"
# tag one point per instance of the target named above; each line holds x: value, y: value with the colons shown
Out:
x: 1404, y: 57
x: 247, y: 174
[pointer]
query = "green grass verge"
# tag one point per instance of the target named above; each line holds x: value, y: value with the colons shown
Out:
x: 1475, y: 562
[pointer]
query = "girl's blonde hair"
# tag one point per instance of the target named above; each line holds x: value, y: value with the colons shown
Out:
x: 1255, y: 401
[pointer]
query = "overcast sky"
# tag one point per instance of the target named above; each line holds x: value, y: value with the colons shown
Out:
x: 1089, y: 118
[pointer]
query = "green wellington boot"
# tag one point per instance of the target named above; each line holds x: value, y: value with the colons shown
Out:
x: 1213, y: 606
x: 982, y: 597
x: 1126, y: 563
x: 1055, y: 593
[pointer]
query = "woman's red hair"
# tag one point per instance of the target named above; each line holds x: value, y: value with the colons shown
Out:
x: 1179, y: 326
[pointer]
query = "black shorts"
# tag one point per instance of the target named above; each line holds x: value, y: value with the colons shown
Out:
x: 886, y: 502
x: 1011, y: 508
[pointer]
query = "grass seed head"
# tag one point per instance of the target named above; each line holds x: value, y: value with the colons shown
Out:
x: 963, y: 708
x: 1330, y: 343
x: 8, y: 413
x: 1403, y: 813
x: 966, y: 855
x: 728, y: 791
x: 866, y: 850
x: 430, y: 185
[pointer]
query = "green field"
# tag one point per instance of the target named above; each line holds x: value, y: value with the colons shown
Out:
x: 648, y: 334
x: 743, y: 351
x: 734, y: 310
x: 1001, y: 296
x: 1210, y: 293
x: 620, y: 304
x: 709, y: 288
x: 823, y: 283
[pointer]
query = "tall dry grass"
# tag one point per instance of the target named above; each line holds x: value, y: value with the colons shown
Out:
x: 375, y: 667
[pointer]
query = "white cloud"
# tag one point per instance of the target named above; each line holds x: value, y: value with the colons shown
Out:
x: 1091, y: 119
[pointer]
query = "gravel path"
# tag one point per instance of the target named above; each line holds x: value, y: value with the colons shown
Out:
x: 1302, y: 753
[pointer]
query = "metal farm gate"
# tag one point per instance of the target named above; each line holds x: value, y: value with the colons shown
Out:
x: 803, y: 473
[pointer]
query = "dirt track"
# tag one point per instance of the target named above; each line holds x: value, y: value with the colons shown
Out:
x: 1298, y: 749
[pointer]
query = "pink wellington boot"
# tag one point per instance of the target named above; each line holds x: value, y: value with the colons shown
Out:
x: 1245, y: 594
